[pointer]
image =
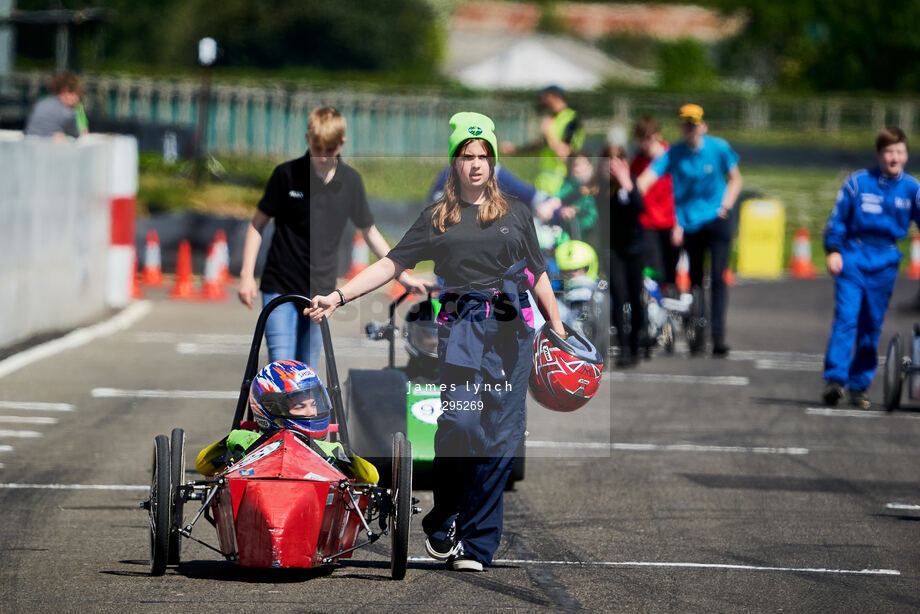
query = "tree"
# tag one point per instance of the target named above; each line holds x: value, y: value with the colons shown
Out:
x: 827, y: 44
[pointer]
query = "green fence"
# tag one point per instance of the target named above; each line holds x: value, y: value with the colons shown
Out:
x: 272, y: 121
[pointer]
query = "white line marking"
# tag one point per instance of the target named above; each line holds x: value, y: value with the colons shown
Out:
x: 903, y: 506
x: 662, y: 378
x: 200, y: 349
x: 27, y: 420
x: 856, y: 413
x: 81, y: 336
x: 20, y: 434
x: 119, y: 393
x: 673, y: 447
x: 789, y: 365
x: 745, y: 355
x: 36, y: 406
x: 162, y: 337
x: 846, y: 413
x: 76, y: 486
x: 821, y: 570
x: 5, y: 448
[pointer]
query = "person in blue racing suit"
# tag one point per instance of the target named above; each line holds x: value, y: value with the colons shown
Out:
x: 874, y: 209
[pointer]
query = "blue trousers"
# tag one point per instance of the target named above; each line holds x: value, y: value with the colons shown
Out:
x: 861, y: 302
x: 290, y: 335
x: 474, y: 448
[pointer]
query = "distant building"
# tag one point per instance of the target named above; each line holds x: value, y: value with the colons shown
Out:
x: 595, y: 20
x: 484, y: 60
x: 496, y: 44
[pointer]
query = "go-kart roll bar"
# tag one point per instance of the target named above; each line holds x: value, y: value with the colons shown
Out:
x: 252, y: 366
x: 391, y: 322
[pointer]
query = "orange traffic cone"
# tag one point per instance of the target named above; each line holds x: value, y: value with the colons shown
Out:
x: 223, y: 257
x: 212, y: 289
x: 184, y: 286
x: 682, y: 277
x: 913, y: 269
x: 359, y: 255
x: 801, y: 266
x: 136, y: 291
x: 152, y: 276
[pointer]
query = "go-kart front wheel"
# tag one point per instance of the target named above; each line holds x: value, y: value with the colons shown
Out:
x: 893, y: 376
x: 401, y: 511
x: 177, y: 477
x: 159, y: 506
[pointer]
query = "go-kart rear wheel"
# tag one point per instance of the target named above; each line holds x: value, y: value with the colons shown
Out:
x: 696, y: 325
x: 893, y: 378
x: 177, y: 476
x: 159, y: 506
x: 401, y: 492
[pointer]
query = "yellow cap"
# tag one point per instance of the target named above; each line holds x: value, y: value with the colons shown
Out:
x: 692, y: 113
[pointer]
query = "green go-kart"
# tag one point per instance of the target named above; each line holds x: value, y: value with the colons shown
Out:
x: 404, y: 399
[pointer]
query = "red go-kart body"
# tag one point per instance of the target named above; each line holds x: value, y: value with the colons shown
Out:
x: 281, y: 506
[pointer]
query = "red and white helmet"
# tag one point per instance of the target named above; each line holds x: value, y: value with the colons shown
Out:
x: 566, y: 373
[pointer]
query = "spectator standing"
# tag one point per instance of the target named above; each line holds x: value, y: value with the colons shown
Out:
x: 310, y: 198
x: 562, y: 134
x: 61, y: 114
x: 873, y: 211
x: 658, y: 218
x: 576, y: 197
x: 624, y: 207
x: 706, y: 183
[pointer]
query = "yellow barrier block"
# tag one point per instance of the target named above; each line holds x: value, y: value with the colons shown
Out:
x: 761, y: 232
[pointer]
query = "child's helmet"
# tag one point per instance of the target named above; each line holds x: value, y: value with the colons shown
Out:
x: 566, y: 373
x: 575, y: 255
x: 421, y: 330
x: 287, y: 394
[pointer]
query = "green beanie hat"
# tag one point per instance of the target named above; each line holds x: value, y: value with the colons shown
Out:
x: 467, y: 125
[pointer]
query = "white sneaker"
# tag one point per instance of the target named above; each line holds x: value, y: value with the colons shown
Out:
x: 463, y: 563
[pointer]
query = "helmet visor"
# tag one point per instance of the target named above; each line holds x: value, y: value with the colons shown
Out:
x: 308, y: 404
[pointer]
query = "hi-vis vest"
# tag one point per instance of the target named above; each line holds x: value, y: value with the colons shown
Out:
x: 552, y: 169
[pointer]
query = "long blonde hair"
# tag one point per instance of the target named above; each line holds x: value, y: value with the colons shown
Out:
x: 447, y: 212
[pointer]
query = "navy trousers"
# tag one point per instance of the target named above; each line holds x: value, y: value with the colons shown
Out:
x: 482, y: 421
x: 861, y: 302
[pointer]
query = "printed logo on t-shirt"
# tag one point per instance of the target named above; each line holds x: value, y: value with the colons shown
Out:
x: 902, y: 203
x: 504, y: 230
x: 295, y: 194
x: 474, y: 130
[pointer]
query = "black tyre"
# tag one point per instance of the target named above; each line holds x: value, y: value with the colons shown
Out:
x: 177, y: 474
x: 893, y: 379
x: 696, y: 322
x: 668, y: 331
x: 160, y: 506
x: 401, y: 492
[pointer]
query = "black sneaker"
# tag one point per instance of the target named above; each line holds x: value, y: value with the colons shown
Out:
x: 464, y: 563
x: 719, y: 348
x: 443, y: 549
x: 860, y: 399
x: 832, y: 394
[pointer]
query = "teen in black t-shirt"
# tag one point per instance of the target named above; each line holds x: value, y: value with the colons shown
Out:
x: 486, y: 249
x: 310, y: 199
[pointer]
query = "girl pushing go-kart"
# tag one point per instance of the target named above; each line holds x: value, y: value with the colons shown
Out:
x: 485, y: 248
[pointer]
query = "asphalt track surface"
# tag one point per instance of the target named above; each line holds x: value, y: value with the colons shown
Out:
x: 687, y: 485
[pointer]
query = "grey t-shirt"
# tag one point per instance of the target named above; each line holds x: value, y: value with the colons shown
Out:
x: 50, y: 116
